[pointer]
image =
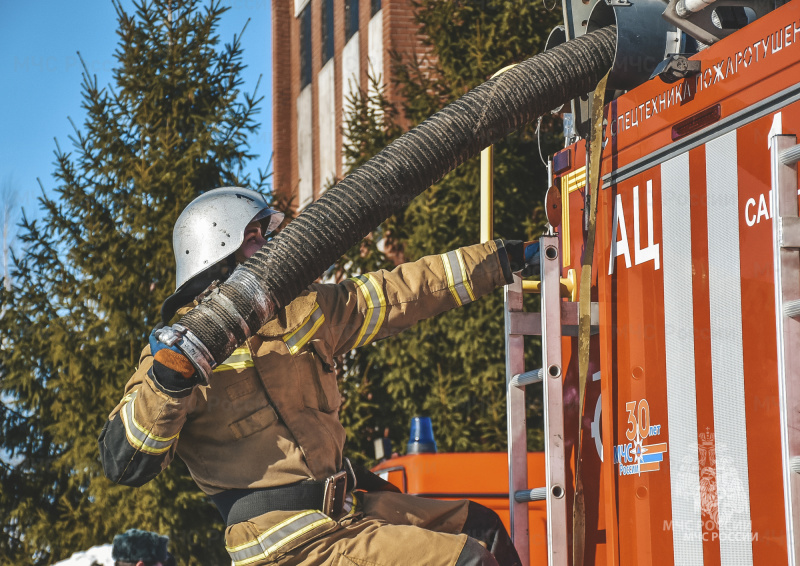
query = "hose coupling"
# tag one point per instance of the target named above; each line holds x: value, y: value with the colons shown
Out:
x: 183, y: 338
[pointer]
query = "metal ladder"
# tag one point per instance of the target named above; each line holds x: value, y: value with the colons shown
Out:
x: 519, y: 324
x: 557, y: 318
x: 785, y: 154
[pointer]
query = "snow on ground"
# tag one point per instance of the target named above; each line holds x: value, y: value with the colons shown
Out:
x: 95, y: 555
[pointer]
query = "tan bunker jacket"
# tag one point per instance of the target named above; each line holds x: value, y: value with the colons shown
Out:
x: 269, y: 414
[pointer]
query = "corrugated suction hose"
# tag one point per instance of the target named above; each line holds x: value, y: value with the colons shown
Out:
x: 326, y: 229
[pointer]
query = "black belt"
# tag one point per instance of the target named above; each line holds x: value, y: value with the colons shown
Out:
x: 237, y: 505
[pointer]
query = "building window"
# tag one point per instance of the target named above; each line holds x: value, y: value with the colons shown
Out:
x: 350, y: 18
x: 327, y: 30
x: 305, y: 46
x: 375, y: 7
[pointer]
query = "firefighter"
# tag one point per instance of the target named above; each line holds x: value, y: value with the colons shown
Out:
x: 263, y: 437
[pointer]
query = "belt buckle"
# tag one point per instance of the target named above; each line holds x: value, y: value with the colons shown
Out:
x: 335, y: 490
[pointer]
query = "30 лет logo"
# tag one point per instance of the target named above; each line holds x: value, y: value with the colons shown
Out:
x: 637, y: 456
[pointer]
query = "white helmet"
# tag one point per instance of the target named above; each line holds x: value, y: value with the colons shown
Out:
x: 211, y: 228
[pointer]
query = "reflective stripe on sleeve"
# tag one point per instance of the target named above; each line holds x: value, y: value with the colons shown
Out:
x: 278, y: 536
x: 240, y: 359
x: 456, y: 272
x: 138, y: 436
x: 376, y: 308
x: 297, y: 339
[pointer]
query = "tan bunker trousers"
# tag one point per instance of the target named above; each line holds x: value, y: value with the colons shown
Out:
x: 382, y: 529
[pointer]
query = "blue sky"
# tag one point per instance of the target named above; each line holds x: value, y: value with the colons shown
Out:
x: 41, y: 78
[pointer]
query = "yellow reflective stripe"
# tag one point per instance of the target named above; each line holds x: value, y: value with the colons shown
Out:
x: 382, y: 311
x: 234, y: 365
x: 456, y: 271
x: 464, y: 280
x: 138, y: 444
x: 368, y: 300
x: 565, y: 238
x: 376, y: 308
x: 570, y: 183
x: 450, y: 282
x: 139, y: 437
x: 300, y: 337
x: 575, y: 180
x: 276, y: 537
x: 148, y: 433
x: 239, y: 359
x: 352, y: 503
x: 297, y: 534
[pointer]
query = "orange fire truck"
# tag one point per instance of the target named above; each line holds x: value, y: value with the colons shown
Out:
x: 689, y: 431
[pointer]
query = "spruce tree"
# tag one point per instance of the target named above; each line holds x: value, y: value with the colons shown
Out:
x: 452, y: 367
x: 95, y: 269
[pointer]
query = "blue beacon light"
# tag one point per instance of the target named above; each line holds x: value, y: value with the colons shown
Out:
x: 421, y: 439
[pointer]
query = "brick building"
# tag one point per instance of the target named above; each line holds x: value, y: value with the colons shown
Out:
x: 322, y: 50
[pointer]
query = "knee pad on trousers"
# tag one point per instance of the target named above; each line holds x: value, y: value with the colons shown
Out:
x: 484, y: 525
x: 473, y: 554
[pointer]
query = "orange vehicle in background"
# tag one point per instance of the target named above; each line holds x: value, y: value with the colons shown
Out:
x: 481, y: 477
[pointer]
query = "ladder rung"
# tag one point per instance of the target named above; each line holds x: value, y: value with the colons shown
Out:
x: 527, y: 495
x: 529, y: 377
x: 790, y: 155
x: 789, y: 232
x: 570, y: 318
x: 791, y: 308
x: 525, y: 323
x: 794, y: 464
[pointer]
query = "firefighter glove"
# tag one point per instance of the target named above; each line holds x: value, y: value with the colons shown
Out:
x: 523, y: 257
x: 171, y: 368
